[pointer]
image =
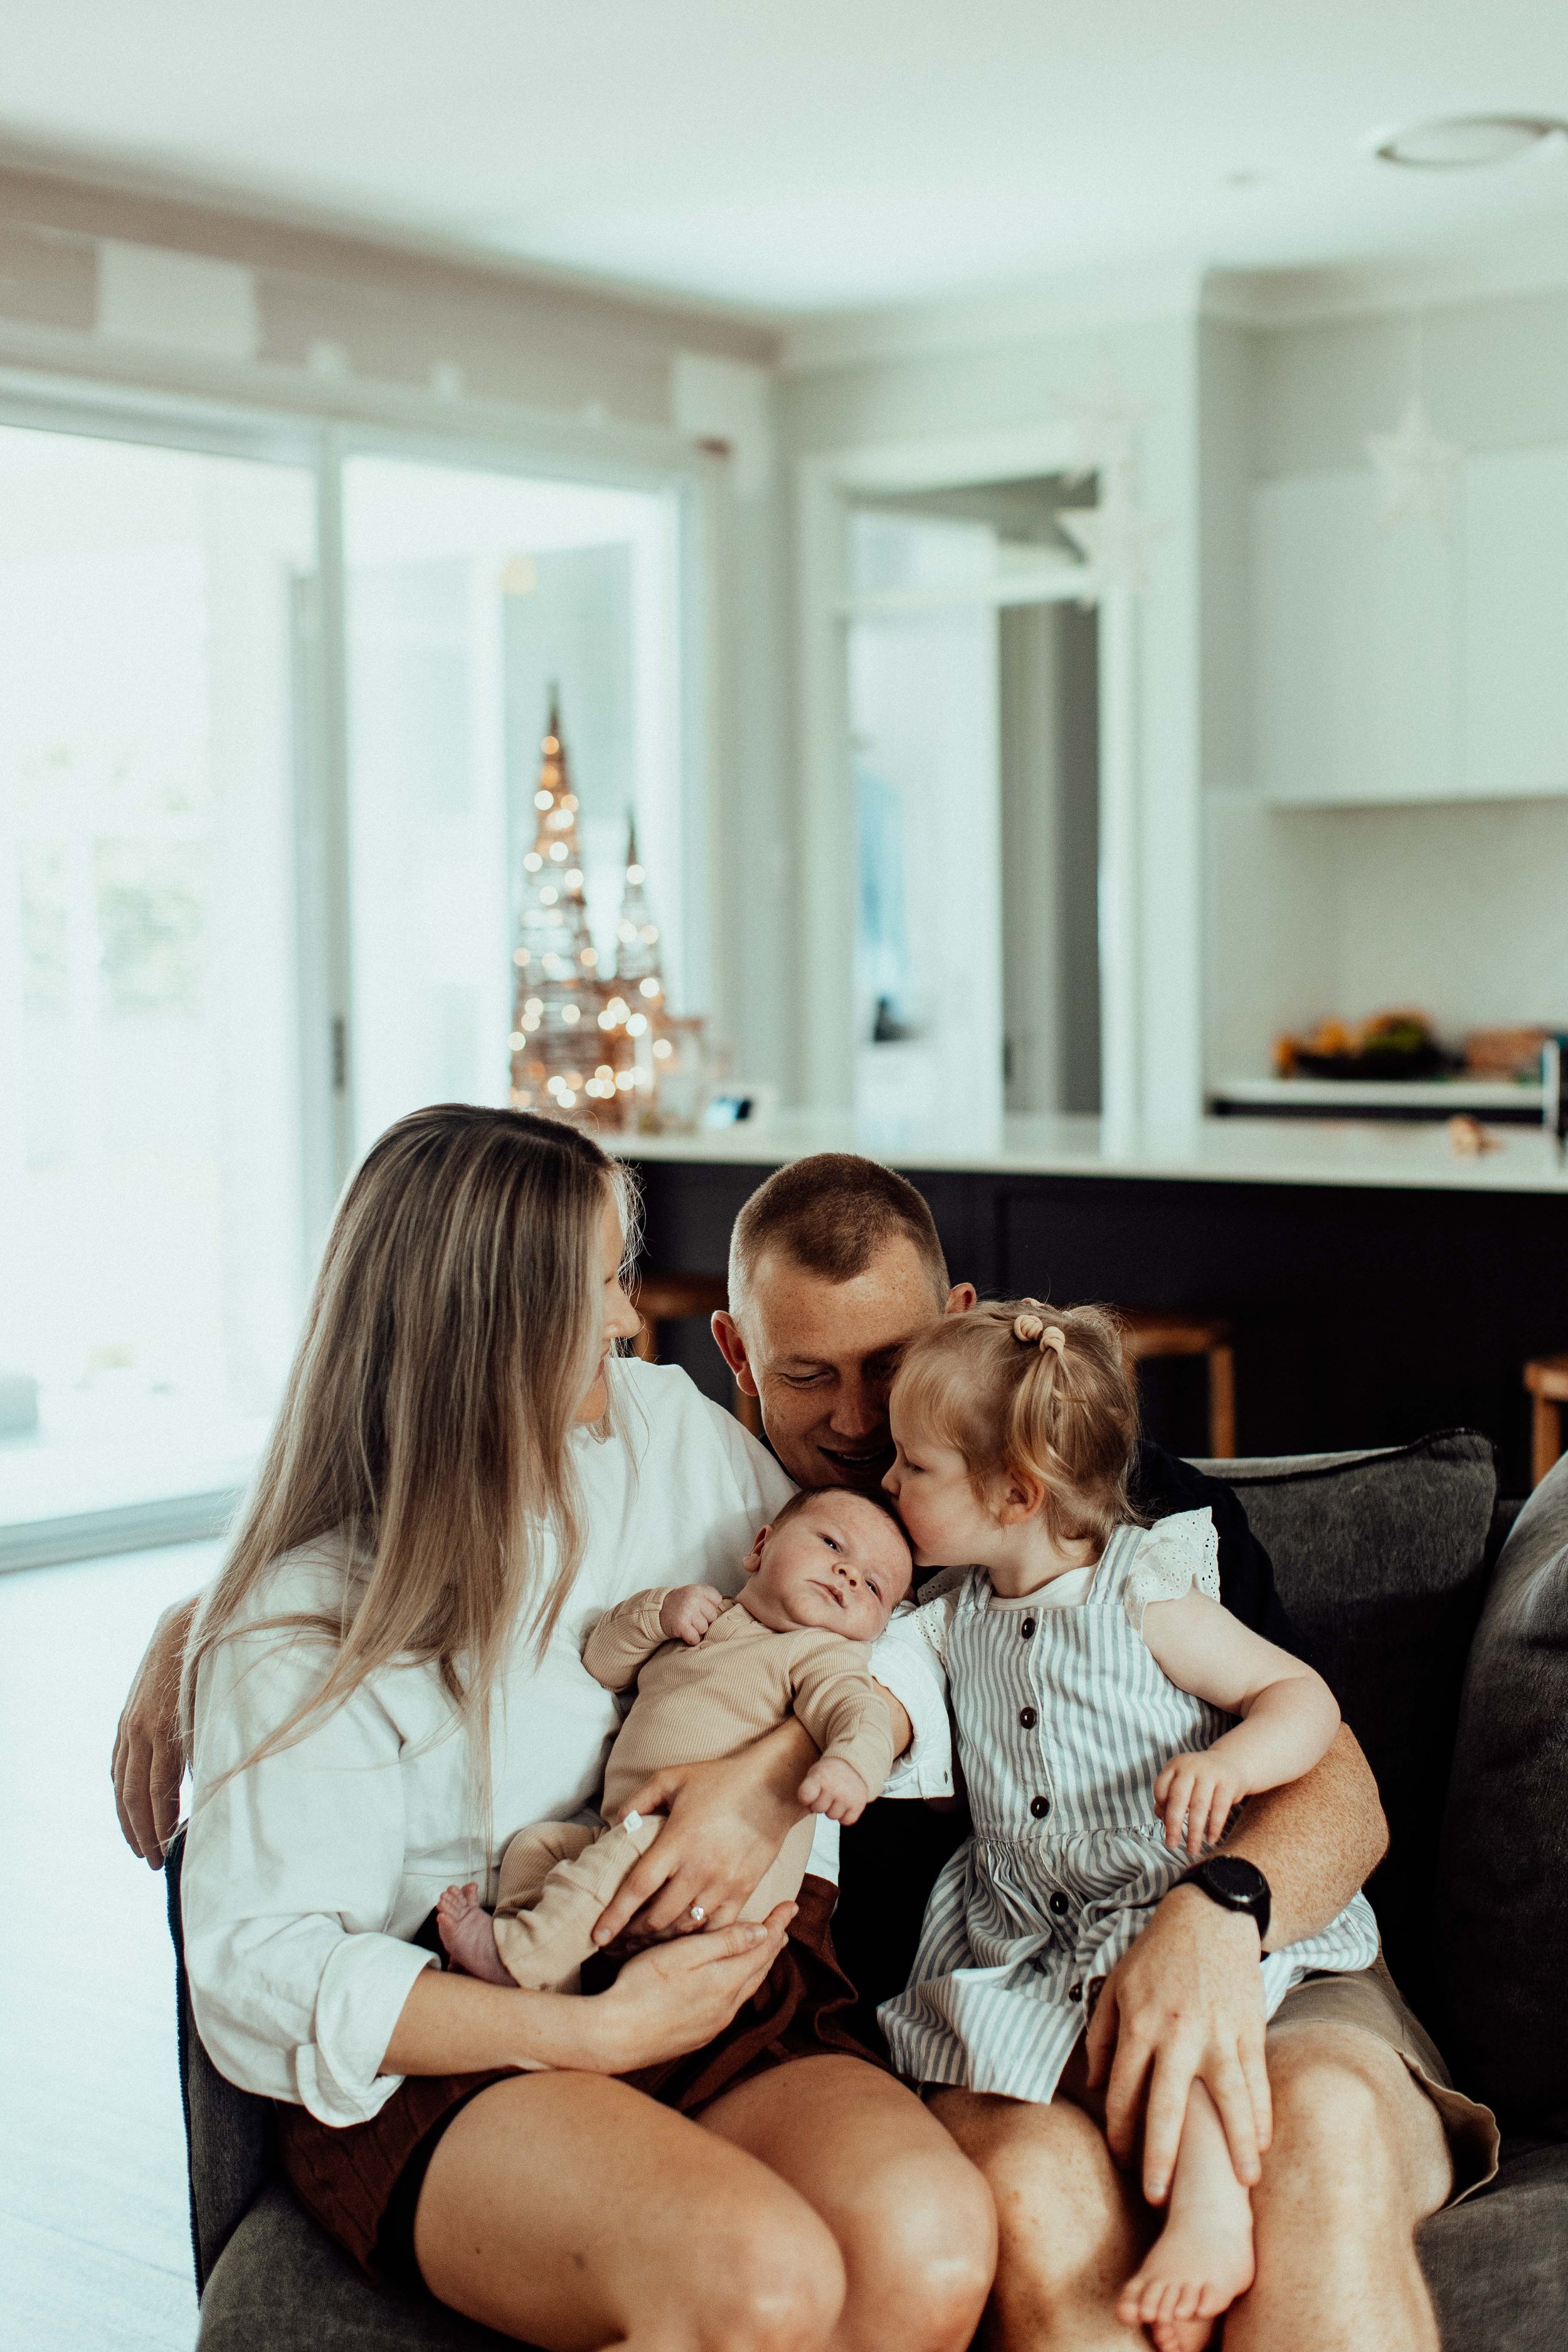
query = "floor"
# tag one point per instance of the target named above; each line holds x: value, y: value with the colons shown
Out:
x: 94, y: 2236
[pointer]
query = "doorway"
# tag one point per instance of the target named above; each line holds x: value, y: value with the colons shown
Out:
x: 972, y: 707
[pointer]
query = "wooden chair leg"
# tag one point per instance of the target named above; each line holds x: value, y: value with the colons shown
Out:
x: 1545, y: 1437
x: 1221, y: 1404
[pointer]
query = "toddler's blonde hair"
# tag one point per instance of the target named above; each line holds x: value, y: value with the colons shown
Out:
x: 1057, y: 1405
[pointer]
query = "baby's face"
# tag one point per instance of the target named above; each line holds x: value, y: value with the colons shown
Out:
x: 838, y: 1563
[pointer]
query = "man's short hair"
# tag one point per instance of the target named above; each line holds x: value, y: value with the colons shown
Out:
x: 830, y: 1215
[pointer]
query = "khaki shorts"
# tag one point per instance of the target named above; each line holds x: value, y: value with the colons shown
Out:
x: 1370, y: 2001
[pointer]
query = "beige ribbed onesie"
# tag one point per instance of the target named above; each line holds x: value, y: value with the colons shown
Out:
x: 693, y: 1706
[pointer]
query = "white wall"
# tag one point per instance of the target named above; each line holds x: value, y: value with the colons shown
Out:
x: 1455, y: 909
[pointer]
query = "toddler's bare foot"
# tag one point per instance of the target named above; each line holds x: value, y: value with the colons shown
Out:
x: 1199, y: 2264
x: 469, y: 1935
x: 1202, y: 2259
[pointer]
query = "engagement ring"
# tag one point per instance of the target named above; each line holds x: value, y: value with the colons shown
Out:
x: 697, y: 1912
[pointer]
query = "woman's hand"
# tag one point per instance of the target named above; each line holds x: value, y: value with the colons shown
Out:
x: 149, y: 1760
x: 676, y: 1997
x: 727, y: 1821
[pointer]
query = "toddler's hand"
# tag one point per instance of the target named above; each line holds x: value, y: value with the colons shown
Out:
x: 836, y: 1788
x: 1196, y: 1795
x: 688, y: 1613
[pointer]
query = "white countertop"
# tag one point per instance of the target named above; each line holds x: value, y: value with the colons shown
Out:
x: 1235, y: 1150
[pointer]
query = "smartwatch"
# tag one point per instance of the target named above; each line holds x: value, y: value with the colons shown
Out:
x: 1235, y: 1886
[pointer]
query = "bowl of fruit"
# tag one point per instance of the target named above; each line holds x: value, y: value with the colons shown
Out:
x: 1389, y: 1045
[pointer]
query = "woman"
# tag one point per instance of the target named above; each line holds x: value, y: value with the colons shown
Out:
x: 386, y: 1680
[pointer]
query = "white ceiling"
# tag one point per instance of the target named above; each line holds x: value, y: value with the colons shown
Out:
x: 799, y: 156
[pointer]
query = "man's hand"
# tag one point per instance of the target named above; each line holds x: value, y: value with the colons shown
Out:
x: 836, y: 1788
x: 1198, y: 1794
x: 688, y: 1611
x: 1185, y: 2004
x: 727, y: 1821
x: 149, y: 1761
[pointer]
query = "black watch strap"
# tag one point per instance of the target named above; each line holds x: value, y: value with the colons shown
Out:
x: 1235, y: 1886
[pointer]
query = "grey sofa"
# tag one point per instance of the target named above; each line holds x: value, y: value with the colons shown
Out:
x: 1448, y: 1648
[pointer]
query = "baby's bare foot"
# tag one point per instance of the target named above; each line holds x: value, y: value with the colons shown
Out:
x: 1197, y: 2266
x: 469, y: 1935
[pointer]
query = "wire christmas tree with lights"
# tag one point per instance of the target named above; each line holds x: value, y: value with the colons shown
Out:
x: 569, y: 1039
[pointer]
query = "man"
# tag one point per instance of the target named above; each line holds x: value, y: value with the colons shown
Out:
x: 835, y: 1264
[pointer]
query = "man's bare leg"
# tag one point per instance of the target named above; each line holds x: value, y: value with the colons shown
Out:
x: 1073, y: 2229
x: 1359, y: 2159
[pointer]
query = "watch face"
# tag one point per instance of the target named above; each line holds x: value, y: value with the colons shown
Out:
x: 1235, y: 1881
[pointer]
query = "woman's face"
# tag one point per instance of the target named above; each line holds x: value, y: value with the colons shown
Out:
x: 618, y: 1316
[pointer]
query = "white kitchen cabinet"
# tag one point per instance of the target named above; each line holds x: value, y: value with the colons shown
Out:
x: 1356, y: 639
x: 1414, y: 665
x: 1513, y: 570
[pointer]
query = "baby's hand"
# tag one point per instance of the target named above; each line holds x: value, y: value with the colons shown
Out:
x: 1196, y: 1795
x: 836, y: 1788
x: 688, y: 1613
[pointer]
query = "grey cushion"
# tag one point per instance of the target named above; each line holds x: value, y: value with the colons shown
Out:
x: 1382, y: 1559
x: 281, y: 2285
x: 1498, y: 2265
x: 1505, y: 1854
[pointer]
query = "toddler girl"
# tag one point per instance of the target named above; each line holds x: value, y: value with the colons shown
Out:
x: 1096, y: 1683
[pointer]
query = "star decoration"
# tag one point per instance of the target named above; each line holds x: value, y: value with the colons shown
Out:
x: 1114, y: 538
x: 1415, y: 464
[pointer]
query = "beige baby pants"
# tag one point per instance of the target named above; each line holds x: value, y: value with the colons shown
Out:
x: 556, y: 1878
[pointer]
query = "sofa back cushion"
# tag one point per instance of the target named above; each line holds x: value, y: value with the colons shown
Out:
x: 1505, y: 1842
x: 1381, y: 1560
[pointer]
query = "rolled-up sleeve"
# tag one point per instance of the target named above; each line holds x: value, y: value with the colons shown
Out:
x: 909, y: 1659
x: 292, y: 1869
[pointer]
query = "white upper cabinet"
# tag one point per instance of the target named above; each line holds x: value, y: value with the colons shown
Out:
x: 1414, y: 665
x: 1356, y: 635
x: 1514, y: 733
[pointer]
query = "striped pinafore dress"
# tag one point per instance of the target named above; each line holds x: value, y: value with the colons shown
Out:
x: 1064, y: 1722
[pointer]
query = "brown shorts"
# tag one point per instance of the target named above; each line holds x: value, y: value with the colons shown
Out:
x: 362, y: 2182
x: 1371, y: 2003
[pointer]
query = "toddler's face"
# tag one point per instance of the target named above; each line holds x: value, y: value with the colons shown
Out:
x: 948, y: 1525
x: 838, y: 1563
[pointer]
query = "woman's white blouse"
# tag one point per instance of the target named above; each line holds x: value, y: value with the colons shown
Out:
x: 305, y: 1875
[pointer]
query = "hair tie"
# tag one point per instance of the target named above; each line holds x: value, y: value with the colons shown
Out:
x: 1032, y: 1329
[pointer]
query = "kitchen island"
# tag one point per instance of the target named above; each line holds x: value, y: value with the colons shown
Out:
x: 1379, y: 1284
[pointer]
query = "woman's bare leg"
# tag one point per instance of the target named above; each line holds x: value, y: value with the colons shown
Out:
x: 1073, y: 2229
x: 1202, y: 2259
x: 574, y: 2213
x: 913, y: 2219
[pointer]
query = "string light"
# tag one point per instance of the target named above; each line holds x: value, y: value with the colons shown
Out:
x: 637, y: 1024
x: 533, y: 861
x: 541, y: 800
x: 650, y: 987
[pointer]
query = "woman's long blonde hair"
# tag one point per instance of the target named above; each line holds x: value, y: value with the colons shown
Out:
x: 451, y: 1338
x: 1022, y: 1390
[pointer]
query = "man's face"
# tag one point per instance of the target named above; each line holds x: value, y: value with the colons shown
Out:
x: 821, y: 1356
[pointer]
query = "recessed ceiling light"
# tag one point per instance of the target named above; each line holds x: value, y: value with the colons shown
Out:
x: 1467, y: 143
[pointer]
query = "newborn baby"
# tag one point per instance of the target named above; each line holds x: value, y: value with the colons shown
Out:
x: 711, y: 1676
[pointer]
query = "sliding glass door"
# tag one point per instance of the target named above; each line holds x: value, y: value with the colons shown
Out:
x: 260, y: 845
x: 473, y: 598
x: 151, y: 1250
